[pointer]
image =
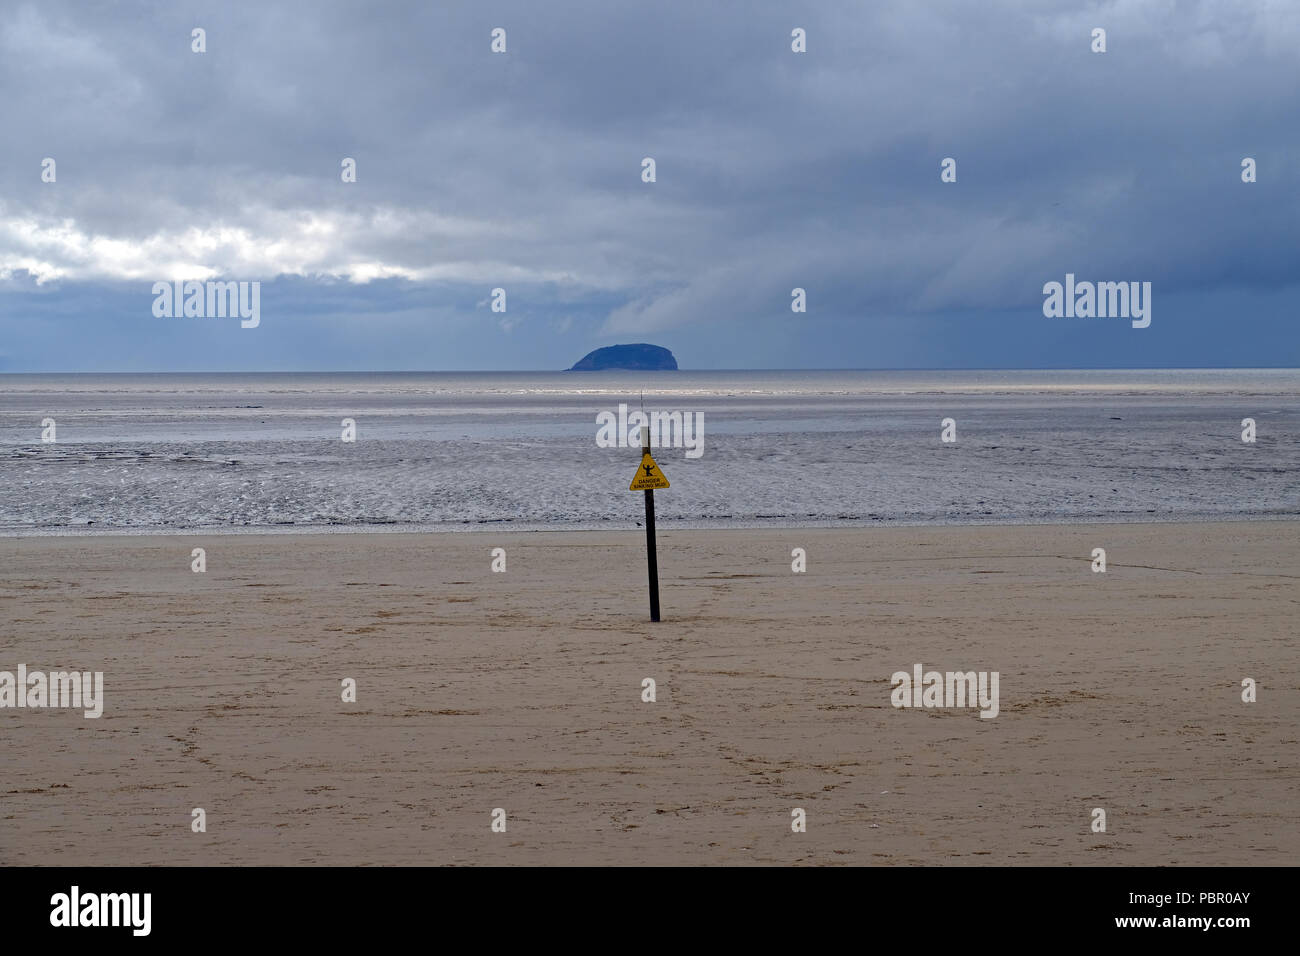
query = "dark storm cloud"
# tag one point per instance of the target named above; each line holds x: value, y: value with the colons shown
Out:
x: 775, y: 170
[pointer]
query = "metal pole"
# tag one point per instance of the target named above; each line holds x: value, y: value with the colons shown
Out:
x: 652, y: 561
x: 650, y: 553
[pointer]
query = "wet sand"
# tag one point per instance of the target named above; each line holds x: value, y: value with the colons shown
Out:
x: 522, y: 690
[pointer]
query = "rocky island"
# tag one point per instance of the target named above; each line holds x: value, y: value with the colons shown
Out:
x: 640, y: 357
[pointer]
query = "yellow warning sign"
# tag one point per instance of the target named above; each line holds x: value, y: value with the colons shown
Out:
x: 648, y: 476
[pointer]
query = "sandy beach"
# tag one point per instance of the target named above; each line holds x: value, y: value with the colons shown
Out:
x: 522, y: 690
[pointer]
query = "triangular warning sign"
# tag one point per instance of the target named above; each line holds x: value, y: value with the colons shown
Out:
x: 648, y: 476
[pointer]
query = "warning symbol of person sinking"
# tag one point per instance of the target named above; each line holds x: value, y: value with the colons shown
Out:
x: 648, y: 476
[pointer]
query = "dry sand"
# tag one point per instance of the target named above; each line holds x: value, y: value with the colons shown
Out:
x: 522, y: 690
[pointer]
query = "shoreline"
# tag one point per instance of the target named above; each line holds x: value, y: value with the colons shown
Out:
x: 662, y: 522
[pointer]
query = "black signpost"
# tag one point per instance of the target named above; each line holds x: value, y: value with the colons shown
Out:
x: 648, y: 478
x: 652, y: 560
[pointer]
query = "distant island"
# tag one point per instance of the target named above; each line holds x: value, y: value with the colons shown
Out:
x: 640, y: 357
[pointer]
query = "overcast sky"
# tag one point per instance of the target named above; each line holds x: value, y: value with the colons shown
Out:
x: 523, y: 170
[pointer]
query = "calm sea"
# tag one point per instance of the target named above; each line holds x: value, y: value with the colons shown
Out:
x: 469, y: 451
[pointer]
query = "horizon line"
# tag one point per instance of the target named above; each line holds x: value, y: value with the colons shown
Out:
x: 516, y: 371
